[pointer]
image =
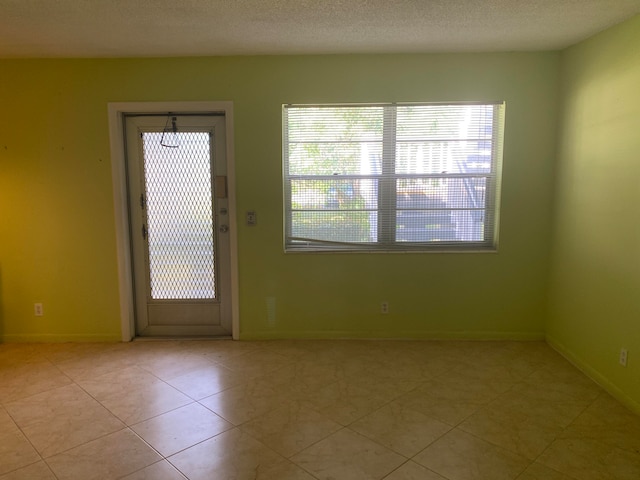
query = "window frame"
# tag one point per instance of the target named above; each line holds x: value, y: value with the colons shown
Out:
x: 387, y: 206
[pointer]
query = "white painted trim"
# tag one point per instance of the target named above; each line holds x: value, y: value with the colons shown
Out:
x: 121, y: 214
x: 397, y: 335
x: 59, y: 338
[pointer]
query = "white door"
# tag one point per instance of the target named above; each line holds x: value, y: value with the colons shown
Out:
x: 178, y: 211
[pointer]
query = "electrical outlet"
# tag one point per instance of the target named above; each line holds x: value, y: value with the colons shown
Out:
x: 384, y: 307
x: 37, y: 310
x: 252, y: 218
x: 623, y: 357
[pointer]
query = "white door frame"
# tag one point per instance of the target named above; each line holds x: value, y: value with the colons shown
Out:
x: 121, y: 210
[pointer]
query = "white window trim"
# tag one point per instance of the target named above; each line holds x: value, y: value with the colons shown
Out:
x: 387, y: 199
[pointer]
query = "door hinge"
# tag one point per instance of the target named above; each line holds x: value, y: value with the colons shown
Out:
x: 142, y: 201
x: 144, y: 232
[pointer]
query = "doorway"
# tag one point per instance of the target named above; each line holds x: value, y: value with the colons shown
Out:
x: 179, y: 224
x: 179, y: 265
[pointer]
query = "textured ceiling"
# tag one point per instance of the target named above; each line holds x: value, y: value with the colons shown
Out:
x: 152, y: 28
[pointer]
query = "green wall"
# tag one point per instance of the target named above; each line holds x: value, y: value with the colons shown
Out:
x: 595, y: 306
x: 57, y: 233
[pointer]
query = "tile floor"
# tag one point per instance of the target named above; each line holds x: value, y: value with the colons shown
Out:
x: 305, y: 410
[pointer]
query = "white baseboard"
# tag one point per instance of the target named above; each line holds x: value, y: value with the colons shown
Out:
x: 58, y: 338
x: 396, y: 335
x: 594, y: 375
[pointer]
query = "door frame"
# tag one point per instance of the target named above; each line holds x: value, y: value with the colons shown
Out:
x: 117, y: 111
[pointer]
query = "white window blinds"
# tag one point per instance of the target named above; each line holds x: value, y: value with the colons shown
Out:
x: 392, y: 176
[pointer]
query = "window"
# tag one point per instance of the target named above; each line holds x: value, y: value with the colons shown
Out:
x: 392, y: 177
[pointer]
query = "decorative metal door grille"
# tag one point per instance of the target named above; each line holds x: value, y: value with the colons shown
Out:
x: 179, y: 212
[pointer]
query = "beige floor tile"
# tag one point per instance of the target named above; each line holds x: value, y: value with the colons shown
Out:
x: 537, y: 471
x: 336, y: 351
x: 401, y: 429
x: 158, y: 471
x: 606, y: 411
x: 294, y: 398
x: 291, y: 428
x: 505, y: 361
x: 45, y: 405
x: 452, y: 398
x: 388, y: 389
x: 63, y: 352
x: 23, y: 380
x: 479, y: 369
x: 348, y: 455
x: 63, y: 418
x: 307, y: 376
x: 413, y: 471
x: 206, y: 381
x: 20, y: 354
x: 344, y: 363
x: 435, y: 405
x: 110, y: 457
x: 344, y: 402
x: 204, y: 346
x: 283, y: 471
x: 35, y: 471
x: 461, y: 456
x: 230, y: 455
x: 181, y: 428
x: 246, y: 402
x: 143, y: 403
x: 292, y: 349
x: 564, y: 377
x: 523, y: 434
x: 118, y: 383
x: 91, y: 365
x: 607, y: 421
x: 221, y: 351
x: 588, y: 459
x: 401, y: 366
x: 438, y: 362
x: 145, y: 349
x: 15, y: 450
x: 454, y: 351
x: 173, y: 364
x: 6, y: 422
x: 556, y: 406
x: 256, y: 363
